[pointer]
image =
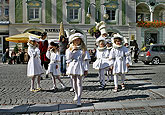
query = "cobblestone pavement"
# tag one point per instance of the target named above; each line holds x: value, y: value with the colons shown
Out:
x: 14, y: 89
x: 128, y: 111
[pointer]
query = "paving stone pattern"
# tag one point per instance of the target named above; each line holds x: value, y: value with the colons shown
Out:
x: 14, y: 89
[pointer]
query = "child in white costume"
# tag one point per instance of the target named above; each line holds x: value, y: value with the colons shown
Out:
x: 102, y: 61
x: 34, y: 64
x: 109, y: 70
x: 78, y: 59
x: 119, y: 56
x: 54, y: 65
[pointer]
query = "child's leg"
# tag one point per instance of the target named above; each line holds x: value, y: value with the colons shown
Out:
x: 62, y: 84
x: 108, y: 74
x: 54, y: 82
x: 102, y: 77
x: 122, y: 81
x: 116, y: 82
x: 32, y: 83
x: 71, y: 81
x: 38, y: 82
x: 79, y: 89
x: 74, y: 78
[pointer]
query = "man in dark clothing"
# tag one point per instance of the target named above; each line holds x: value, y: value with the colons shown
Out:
x: 63, y: 46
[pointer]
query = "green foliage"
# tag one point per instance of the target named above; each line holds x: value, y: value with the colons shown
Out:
x: 92, y: 30
x: 48, y: 11
x: 59, y: 11
x: 18, y: 11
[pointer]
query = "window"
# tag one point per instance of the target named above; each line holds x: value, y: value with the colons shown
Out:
x: 111, y: 14
x: 73, y: 14
x: 34, y: 10
x: 33, y: 13
x: 74, y: 11
x: 142, y: 17
x: 6, y: 11
x: 155, y: 48
x: 162, y: 48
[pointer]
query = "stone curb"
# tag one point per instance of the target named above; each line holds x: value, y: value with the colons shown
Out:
x: 85, y: 107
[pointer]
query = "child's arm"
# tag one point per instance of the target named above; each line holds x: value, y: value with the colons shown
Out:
x: 128, y: 59
x: 48, y: 54
x: 112, y: 57
x: 87, y: 58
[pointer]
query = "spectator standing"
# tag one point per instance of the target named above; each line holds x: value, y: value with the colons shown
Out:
x: 5, y: 56
x: 43, y: 46
x: 63, y: 46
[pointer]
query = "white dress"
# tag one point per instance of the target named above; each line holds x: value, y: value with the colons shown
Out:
x: 78, y: 62
x: 119, y: 58
x: 54, y: 60
x: 34, y: 63
x: 102, y: 60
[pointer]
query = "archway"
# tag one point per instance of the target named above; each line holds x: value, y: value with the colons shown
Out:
x: 142, y: 12
x: 159, y: 12
x: 35, y: 31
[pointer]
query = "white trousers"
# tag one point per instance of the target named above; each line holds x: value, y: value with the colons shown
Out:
x: 77, y: 86
x: 116, y: 79
x: 102, y: 77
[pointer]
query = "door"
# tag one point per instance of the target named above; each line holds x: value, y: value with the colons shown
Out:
x: 151, y: 38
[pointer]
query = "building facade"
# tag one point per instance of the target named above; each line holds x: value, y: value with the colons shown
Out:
x: 121, y: 16
x: 4, y: 24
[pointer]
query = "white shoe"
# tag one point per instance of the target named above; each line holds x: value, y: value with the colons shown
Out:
x: 63, y: 86
x: 71, y: 90
x: 75, y: 98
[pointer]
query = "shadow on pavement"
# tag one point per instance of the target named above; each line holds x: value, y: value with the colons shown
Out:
x: 136, y: 74
x: 119, y: 98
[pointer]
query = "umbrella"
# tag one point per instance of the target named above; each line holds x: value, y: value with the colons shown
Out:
x: 20, y: 38
x: 61, y: 30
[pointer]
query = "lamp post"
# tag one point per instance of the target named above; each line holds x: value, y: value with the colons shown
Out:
x: 97, y: 12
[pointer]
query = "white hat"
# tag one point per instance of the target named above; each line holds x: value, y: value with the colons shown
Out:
x: 75, y: 36
x: 103, y: 31
x: 125, y: 40
x: 100, y: 39
x: 117, y: 36
x: 108, y: 41
x: 34, y: 38
x: 102, y: 27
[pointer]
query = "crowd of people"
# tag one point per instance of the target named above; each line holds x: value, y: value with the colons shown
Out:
x: 70, y: 57
x: 16, y: 57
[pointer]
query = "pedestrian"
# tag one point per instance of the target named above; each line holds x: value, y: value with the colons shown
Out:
x: 102, y: 62
x: 34, y: 64
x: 109, y: 70
x: 63, y: 46
x: 43, y: 46
x: 5, y: 56
x: 79, y: 63
x: 54, y: 65
x: 119, y: 56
